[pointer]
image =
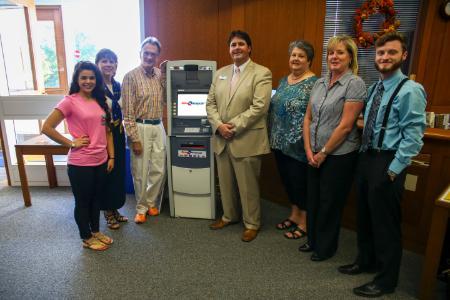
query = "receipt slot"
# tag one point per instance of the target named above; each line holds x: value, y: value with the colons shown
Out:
x: 190, y: 162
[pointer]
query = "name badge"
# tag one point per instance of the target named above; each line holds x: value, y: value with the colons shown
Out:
x: 222, y: 77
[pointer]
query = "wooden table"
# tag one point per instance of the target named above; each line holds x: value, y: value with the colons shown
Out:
x: 438, y: 228
x: 40, y: 145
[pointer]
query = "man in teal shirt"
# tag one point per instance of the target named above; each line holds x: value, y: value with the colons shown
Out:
x: 394, y: 125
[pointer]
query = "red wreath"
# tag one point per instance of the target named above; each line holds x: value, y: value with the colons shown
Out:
x: 384, y: 7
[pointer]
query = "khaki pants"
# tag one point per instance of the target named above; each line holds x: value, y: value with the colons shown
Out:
x: 239, y: 178
x: 149, y: 168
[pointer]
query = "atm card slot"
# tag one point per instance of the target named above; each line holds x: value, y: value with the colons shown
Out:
x: 196, y: 147
x: 191, y: 153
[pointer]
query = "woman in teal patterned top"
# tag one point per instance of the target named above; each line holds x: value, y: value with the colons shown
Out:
x: 287, y: 109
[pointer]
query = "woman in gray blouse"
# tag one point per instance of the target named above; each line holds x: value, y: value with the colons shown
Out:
x: 331, y: 144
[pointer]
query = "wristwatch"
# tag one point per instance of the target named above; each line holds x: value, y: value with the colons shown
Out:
x: 324, y: 150
x: 391, y: 175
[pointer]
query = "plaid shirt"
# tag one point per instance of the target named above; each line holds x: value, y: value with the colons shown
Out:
x: 143, y: 98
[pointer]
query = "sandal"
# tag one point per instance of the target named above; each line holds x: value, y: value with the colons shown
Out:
x: 102, y: 238
x: 286, y: 224
x: 94, y: 244
x: 111, y: 220
x: 295, y: 233
x: 119, y: 217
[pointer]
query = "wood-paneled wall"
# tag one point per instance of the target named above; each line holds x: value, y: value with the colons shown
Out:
x: 199, y: 29
x: 432, y: 56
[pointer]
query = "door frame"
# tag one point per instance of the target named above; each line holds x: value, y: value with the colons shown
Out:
x: 53, y: 13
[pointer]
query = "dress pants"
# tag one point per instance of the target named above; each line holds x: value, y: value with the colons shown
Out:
x: 379, y: 216
x: 149, y: 168
x: 328, y: 188
x: 239, y: 178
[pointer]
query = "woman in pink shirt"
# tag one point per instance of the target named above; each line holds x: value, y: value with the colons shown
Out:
x: 91, y: 153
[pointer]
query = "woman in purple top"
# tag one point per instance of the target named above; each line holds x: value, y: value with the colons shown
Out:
x: 91, y: 153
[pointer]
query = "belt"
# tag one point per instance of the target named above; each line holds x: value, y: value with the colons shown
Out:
x: 149, y: 121
x: 375, y: 151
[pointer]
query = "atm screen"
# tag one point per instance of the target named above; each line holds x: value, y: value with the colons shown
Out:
x: 191, y: 105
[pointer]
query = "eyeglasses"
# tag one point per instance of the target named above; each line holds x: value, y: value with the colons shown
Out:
x: 150, y: 54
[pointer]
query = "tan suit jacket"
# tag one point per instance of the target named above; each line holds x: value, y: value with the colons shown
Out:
x: 238, y: 159
x: 246, y: 109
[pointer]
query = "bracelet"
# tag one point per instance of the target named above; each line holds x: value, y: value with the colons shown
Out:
x: 111, y: 158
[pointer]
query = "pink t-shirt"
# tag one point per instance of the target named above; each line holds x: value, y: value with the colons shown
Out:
x: 85, y: 118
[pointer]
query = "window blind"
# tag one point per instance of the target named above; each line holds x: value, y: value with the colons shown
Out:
x: 339, y: 20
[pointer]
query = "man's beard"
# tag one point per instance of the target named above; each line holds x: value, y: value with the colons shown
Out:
x: 392, y: 68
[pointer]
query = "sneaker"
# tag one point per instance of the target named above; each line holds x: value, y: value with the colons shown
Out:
x: 153, y: 211
x: 140, y: 218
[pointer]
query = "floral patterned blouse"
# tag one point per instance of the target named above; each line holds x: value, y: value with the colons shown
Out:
x: 286, y: 114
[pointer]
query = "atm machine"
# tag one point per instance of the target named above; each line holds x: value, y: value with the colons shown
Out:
x: 190, y: 158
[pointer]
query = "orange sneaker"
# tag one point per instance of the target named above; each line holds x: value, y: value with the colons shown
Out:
x: 153, y: 211
x: 140, y: 218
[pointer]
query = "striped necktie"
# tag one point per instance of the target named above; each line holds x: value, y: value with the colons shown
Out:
x: 234, y: 80
x: 371, y: 118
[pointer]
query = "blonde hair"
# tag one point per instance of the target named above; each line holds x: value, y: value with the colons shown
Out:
x: 351, y: 49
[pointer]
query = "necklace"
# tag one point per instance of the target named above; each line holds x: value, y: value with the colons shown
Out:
x: 293, y: 78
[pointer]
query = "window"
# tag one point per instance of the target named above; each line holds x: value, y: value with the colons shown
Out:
x: 56, y: 50
x: 339, y: 20
x: 14, y: 48
x: 109, y: 24
x: 50, y: 39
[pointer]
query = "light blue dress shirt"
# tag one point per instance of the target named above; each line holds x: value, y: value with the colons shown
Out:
x: 406, y: 124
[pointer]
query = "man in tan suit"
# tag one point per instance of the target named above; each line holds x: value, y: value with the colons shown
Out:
x: 237, y: 107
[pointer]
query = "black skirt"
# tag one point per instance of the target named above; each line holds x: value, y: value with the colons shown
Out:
x: 114, y: 195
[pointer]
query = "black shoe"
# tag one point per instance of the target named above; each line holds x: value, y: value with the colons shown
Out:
x: 316, y: 257
x: 355, y: 269
x: 371, y: 290
x: 305, y: 248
